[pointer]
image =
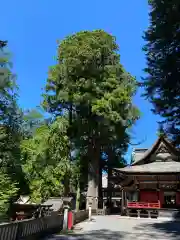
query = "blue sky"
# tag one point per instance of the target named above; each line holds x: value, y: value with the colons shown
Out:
x: 33, y: 27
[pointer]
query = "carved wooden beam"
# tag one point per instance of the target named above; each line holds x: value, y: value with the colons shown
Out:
x: 157, y: 178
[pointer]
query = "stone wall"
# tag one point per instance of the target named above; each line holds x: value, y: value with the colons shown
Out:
x: 80, y: 216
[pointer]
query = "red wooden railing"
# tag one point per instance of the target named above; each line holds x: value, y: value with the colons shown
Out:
x: 143, y: 205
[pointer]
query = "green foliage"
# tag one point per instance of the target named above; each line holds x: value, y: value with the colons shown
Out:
x: 8, y: 87
x: 93, y: 87
x: 89, y: 74
x: 79, y: 169
x: 162, y: 84
x: 8, y: 191
x: 90, y: 78
x: 31, y: 119
x: 90, y: 94
x: 161, y: 132
x: 11, y: 176
x: 46, y: 161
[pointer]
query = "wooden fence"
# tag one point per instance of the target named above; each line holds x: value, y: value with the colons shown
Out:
x: 31, y: 228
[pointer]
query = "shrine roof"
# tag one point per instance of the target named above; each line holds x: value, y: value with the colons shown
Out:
x: 55, y: 202
x: 138, y: 154
x: 141, y: 155
x: 154, y: 167
x: 162, y: 157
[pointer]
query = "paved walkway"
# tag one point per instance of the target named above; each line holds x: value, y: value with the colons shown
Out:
x: 115, y: 228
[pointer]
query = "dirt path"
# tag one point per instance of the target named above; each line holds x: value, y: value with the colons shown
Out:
x: 115, y: 227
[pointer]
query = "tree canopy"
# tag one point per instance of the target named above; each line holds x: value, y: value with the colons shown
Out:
x: 89, y: 96
x: 10, y: 170
x: 162, y: 83
x: 90, y: 83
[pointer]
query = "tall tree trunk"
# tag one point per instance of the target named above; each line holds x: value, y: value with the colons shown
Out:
x: 110, y: 159
x: 78, y: 195
x: 69, y: 134
x: 66, y: 186
x: 93, y: 174
x: 100, y: 184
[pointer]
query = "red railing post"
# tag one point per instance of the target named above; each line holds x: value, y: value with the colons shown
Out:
x: 70, y: 220
x: 143, y: 205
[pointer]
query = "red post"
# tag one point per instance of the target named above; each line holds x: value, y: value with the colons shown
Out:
x: 70, y: 220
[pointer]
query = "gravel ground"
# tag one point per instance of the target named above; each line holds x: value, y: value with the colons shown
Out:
x: 115, y: 227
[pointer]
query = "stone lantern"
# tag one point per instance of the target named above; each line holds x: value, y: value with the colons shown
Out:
x: 67, y: 202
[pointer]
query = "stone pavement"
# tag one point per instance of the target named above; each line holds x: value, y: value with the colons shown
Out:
x: 115, y: 228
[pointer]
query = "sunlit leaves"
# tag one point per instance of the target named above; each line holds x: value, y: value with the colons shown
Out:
x: 8, y: 189
x: 46, y: 157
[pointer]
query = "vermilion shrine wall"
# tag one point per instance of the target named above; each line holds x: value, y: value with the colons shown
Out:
x: 148, y: 196
x: 154, y: 196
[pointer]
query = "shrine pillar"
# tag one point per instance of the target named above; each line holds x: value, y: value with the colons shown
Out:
x: 123, y: 201
x: 178, y: 198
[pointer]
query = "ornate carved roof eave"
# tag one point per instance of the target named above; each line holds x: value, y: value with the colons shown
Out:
x: 122, y: 182
x: 127, y: 183
x: 117, y: 174
x: 155, y: 146
x: 131, y: 174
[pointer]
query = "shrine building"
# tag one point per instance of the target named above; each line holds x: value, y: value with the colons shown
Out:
x: 151, y: 184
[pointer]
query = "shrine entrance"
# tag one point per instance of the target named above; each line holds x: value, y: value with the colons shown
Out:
x: 152, y: 182
x: 112, y: 201
x: 169, y: 200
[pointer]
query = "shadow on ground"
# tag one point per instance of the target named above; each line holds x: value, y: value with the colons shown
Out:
x: 105, y: 234
x: 169, y: 228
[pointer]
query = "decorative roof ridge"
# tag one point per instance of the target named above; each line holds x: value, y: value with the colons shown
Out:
x: 154, y: 147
